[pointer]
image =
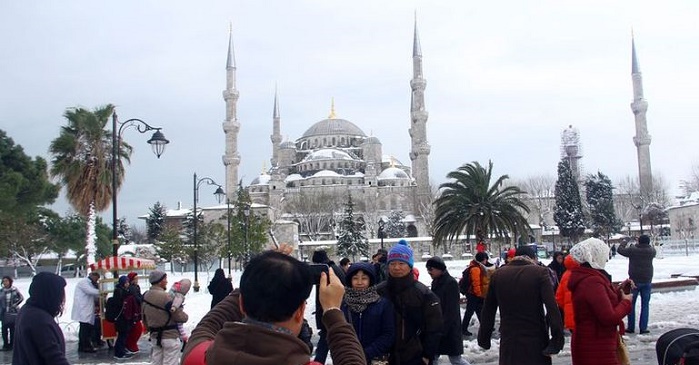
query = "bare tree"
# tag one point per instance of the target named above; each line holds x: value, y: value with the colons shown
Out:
x: 691, y: 184
x: 629, y: 201
x: 541, y: 195
x: 425, y: 208
x: 314, y: 210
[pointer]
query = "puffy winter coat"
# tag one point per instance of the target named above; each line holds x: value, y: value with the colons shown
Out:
x: 479, y: 277
x: 375, y: 327
x: 564, y: 297
x: 640, y: 261
x: 84, y: 302
x: 599, y: 311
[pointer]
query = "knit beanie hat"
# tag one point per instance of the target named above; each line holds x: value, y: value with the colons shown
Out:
x: 123, y: 280
x: 436, y: 262
x: 511, y: 253
x: 403, y: 242
x: 644, y: 240
x: 156, y: 276
x: 132, y: 275
x: 400, y: 253
x: 593, y: 251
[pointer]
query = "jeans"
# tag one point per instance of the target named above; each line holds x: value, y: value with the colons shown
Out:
x: 8, y: 329
x: 644, y: 290
x: 322, y: 347
x: 120, y: 344
x: 474, y: 304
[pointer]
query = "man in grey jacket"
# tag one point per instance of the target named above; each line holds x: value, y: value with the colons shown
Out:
x: 641, y: 272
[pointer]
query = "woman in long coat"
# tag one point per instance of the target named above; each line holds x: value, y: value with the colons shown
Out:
x: 600, y: 307
x: 219, y: 287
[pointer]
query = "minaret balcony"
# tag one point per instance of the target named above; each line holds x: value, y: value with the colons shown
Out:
x: 231, y: 126
x: 231, y: 95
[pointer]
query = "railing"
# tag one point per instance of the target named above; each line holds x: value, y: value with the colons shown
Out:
x: 682, y: 247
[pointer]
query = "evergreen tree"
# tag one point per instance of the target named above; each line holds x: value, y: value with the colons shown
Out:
x: 599, y: 196
x: 568, y: 213
x: 395, y: 228
x: 155, y: 222
x: 351, y: 240
x: 170, y: 246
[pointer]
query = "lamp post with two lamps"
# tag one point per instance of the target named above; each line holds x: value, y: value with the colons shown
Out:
x: 228, y: 215
x: 381, y: 232
x: 219, y: 195
x: 246, y: 212
x: 157, y: 142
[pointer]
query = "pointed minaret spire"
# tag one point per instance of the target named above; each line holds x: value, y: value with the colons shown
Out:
x: 420, y: 147
x: 634, y: 61
x: 276, y: 136
x: 230, y: 61
x: 642, y: 139
x: 417, y: 51
x: 231, y: 126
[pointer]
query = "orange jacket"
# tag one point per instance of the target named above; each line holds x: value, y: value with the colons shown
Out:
x: 480, y: 279
x: 564, y: 297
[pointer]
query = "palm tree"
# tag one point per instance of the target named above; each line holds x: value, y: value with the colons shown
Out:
x: 470, y: 204
x: 82, y: 160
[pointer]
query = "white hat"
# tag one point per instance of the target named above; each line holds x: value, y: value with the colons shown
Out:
x: 593, y: 251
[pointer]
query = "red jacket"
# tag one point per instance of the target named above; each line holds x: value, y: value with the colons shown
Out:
x: 564, y: 297
x: 599, y: 311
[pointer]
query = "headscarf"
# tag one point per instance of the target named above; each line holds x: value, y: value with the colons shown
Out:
x: 593, y: 251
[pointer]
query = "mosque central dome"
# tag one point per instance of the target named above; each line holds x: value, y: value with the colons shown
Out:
x: 333, y: 126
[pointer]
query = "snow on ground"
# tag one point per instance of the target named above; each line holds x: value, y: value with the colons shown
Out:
x: 667, y: 310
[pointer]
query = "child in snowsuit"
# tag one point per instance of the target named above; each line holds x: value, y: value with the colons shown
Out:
x: 177, y: 292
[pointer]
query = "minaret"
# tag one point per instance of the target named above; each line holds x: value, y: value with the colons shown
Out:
x: 276, y: 136
x: 231, y: 126
x: 420, y: 148
x: 639, y: 106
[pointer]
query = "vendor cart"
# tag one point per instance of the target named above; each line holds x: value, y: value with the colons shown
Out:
x: 106, y: 285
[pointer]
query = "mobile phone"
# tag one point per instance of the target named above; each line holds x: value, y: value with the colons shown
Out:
x: 626, y: 286
x: 316, y: 269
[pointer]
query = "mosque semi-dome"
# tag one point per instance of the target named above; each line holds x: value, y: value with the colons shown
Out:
x: 263, y: 179
x: 288, y: 144
x: 393, y: 173
x: 328, y: 154
x: 333, y: 126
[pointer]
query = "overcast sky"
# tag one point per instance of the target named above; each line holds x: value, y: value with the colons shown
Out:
x: 504, y: 78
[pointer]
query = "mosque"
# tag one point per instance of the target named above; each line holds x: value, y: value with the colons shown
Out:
x: 309, y: 178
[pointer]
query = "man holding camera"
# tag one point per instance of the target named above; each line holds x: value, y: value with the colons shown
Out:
x: 641, y: 272
x: 273, y: 292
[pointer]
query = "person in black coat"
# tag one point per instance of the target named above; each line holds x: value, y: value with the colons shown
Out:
x: 124, y: 321
x: 557, y: 264
x: 321, y: 257
x: 219, y: 287
x: 38, y: 339
x: 445, y: 287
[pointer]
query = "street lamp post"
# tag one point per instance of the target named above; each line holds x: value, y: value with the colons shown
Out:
x: 246, y: 212
x: 219, y: 194
x: 157, y: 142
x: 381, y: 233
x: 228, y: 214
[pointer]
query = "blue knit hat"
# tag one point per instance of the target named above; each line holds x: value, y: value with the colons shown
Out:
x: 400, y: 253
x: 123, y: 280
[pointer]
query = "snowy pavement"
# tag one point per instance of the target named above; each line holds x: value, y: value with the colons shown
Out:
x: 668, y: 311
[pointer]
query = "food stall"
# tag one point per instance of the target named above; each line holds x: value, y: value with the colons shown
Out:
x: 106, y: 285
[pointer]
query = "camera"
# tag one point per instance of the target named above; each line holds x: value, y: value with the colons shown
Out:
x: 316, y: 269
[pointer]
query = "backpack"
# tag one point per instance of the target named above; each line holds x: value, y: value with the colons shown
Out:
x: 113, y: 309
x: 465, y: 281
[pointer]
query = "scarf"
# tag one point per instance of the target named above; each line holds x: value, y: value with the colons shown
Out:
x: 358, y: 299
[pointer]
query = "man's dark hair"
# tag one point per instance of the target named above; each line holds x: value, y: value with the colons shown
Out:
x: 344, y: 261
x: 273, y: 286
x: 481, y: 256
x: 526, y: 251
x: 644, y: 240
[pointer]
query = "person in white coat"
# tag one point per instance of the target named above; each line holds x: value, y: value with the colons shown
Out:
x: 84, y: 310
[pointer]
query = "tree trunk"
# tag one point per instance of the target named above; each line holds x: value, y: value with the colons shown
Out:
x: 90, y: 247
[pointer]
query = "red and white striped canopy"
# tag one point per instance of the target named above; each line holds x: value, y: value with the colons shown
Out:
x: 122, y: 263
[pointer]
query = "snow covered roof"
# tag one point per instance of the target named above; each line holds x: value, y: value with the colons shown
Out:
x: 293, y: 177
x: 326, y: 173
x: 263, y: 179
x: 328, y: 154
x: 392, y: 173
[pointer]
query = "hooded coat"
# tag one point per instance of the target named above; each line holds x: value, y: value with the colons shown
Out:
x: 38, y: 339
x: 599, y: 311
x: 219, y: 287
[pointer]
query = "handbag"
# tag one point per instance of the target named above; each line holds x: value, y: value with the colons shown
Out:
x: 622, y: 352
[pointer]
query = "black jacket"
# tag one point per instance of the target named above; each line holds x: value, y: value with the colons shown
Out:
x: 418, y: 319
x: 446, y: 289
x: 640, y: 261
x: 219, y: 289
